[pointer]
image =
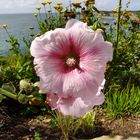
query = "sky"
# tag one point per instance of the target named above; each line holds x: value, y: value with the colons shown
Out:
x: 29, y: 6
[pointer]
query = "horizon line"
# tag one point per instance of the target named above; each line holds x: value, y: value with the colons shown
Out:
x: 56, y: 12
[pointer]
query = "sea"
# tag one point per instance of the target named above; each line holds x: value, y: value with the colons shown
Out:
x: 19, y: 26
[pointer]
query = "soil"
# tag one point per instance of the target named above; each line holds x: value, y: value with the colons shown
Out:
x: 14, y: 126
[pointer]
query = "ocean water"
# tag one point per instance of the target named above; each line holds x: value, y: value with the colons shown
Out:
x: 18, y: 25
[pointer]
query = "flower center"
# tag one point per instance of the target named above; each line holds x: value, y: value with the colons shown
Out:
x: 71, y: 62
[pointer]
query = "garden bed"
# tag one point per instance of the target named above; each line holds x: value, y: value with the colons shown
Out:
x: 28, y: 127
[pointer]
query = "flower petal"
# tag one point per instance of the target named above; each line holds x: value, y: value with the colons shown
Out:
x: 71, y: 105
x: 68, y: 106
x: 76, y: 23
x: 80, y: 84
x: 90, y: 42
x: 50, y: 44
x: 51, y: 75
x: 39, y: 45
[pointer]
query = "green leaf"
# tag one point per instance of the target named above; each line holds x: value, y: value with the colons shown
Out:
x: 9, y: 87
x: 2, y: 98
x: 23, y: 99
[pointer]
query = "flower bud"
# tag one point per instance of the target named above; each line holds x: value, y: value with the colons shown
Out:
x: 44, y: 3
x: 49, y: 2
x: 4, y: 26
x: 24, y: 84
x: 41, y: 92
x: 23, y: 99
x: 36, y: 84
x: 38, y: 8
x: 105, y: 23
x: 31, y: 28
x: 35, y: 15
x: 76, y: 4
x: 59, y: 3
x: 99, y: 30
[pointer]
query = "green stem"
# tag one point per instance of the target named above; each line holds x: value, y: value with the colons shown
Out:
x: 45, y: 12
x: 79, y: 16
x: 70, y: 5
x: 118, y: 22
x: 39, y: 15
x: 51, y: 11
x: 64, y: 125
x: 7, y: 32
x: 37, y: 21
x: 8, y: 94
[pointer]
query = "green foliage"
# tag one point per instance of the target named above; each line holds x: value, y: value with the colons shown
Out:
x: 123, y: 102
x: 17, y: 67
x: 125, y: 65
x: 9, y: 87
x: 37, y: 136
x: 87, y: 122
x: 14, y: 45
x: 70, y: 125
x: 2, y: 98
x: 67, y: 124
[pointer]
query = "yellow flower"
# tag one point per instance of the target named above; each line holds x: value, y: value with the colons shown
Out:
x: 58, y: 8
x: 89, y: 2
x: 55, y: 7
x: 35, y: 15
x: 59, y: 3
x: 127, y: 14
x: 76, y: 4
x: 105, y: 23
x: 114, y: 11
x: 38, y: 8
x: 44, y: 3
x: 49, y: 2
x: 4, y: 26
x: 100, y: 30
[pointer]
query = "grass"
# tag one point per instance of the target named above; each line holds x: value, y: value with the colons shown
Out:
x: 122, y: 102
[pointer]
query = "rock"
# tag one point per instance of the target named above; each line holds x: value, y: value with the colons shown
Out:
x: 129, y: 137
x: 108, y: 138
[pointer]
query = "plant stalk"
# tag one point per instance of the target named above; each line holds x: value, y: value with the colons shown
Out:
x: 8, y: 33
x: 45, y: 12
x: 8, y: 94
x: 118, y: 22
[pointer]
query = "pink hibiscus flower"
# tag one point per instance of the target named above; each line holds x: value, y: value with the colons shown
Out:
x: 71, y: 65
